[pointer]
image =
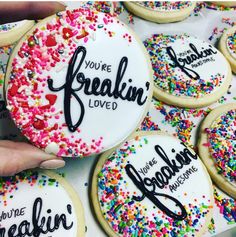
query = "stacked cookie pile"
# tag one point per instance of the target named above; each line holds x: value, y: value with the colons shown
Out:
x: 79, y: 83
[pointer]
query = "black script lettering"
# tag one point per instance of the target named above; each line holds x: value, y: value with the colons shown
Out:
x: 153, y: 195
x: 39, y: 224
x: 95, y: 87
x: 148, y: 186
x: 181, y: 62
x: 189, y: 72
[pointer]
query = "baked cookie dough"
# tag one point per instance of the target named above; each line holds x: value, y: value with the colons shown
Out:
x: 227, y: 45
x: 161, y: 11
x: 5, y: 52
x: 188, y: 72
x: 78, y: 83
x: 226, y: 3
x: 12, y: 32
x: 149, y: 186
x: 39, y: 203
x: 217, y: 147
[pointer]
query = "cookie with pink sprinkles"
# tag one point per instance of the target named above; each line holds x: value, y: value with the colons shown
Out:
x: 78, y: 83
x: 217, y: 146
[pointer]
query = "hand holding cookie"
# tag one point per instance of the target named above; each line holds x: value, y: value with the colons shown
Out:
x: 24, y: 156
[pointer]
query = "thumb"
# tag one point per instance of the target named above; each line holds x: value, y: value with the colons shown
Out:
x: 18, y: 156
x: 11, y: 12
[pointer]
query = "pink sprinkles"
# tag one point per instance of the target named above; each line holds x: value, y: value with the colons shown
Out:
x: 33, y: 111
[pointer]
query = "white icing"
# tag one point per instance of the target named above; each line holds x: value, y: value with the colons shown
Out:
x: 165, y: 6
x: 108, y: 125
x: 54, y: 198
x: 10, y: 26
x: 52, y: 148
x: 197, y: 63
x: 190, y: 192
x: 218, y: 64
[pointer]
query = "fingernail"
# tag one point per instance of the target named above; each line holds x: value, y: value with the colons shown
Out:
x: 52, y: 164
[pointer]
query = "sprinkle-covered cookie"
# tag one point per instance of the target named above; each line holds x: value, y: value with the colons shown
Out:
x: 36, y: 203
x: 227, y: 46
x: 12, y: 32
x: 79, y: 83
x: 188, y: 72
x: 161, y: 11
x: 149, y: 186
x: 217, y: 146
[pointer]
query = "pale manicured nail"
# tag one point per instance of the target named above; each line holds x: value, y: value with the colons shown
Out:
x: 52, y: 164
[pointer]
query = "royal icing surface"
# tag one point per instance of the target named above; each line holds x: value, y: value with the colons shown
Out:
x: 33, y: 204
x: 9, y: 26
x: 222, y: 144
x: 150, y: 187
x: 75, y: 81
x: 231, y: 45
x: 164, y: 6
x: 4, y: 56
x: 185, y: 66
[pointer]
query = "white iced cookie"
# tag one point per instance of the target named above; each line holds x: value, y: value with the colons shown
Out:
x: 78, y: 83
x: 161, y: 11
x: 227, y: 45
x: 39, y: 203
x: 188, y: 72
x: 217, y: 146
x: 12, y: 32
x: 149, y: 186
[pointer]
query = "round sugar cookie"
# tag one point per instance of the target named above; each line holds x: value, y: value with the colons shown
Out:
x: 227, y: 45
x: 149, y: 186
x: 161, y: 11
x: 217, y: 146
x: 5, y: 52
x: 225, y: 3
x: 188, y: 72
x: 78, y: 83
x: 12, y: 32
x: 39, y: 203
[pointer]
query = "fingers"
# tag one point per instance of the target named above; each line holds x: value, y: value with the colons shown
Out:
x: 16, y: 11
x: 18, y: 156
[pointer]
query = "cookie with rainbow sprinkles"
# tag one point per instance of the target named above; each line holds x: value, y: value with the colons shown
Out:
x: 217, y: 146
x: 161, y: 11
x: 12, y: 32
x: 227, y: 46
x: 188, y: 72
x: 73, y: 77
x: 39, y: 203
x: 149, y: 186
